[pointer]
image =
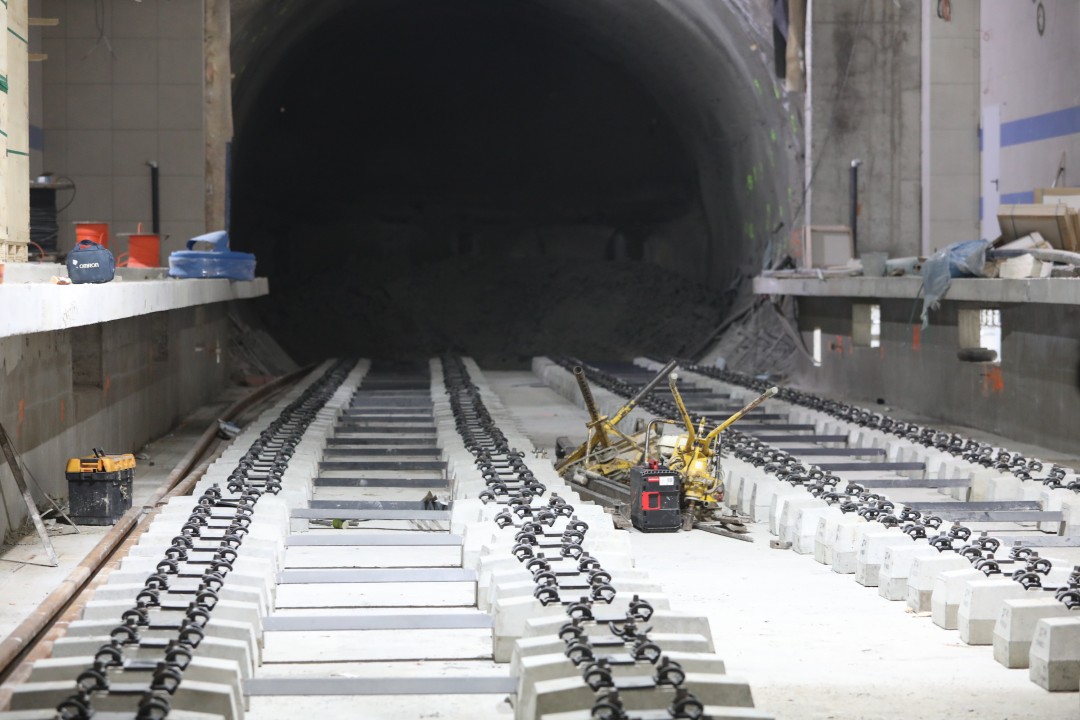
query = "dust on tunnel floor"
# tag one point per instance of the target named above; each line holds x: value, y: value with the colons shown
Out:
x: 814, y: 645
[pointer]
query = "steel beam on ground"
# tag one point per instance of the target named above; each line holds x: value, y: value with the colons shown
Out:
x: 901, y: 483
x: 1038, y: 540
x: 866, y: 466
x: 319, y: 576
x: 338, y: 538
x: 837, y: 452
x: 404, y: 443
x: 330, y: 514
x: 1004, y: 511
x: 419, y: 483
x: 413, y: 621
x: 284, y: 686
x: 749, y: 428
x: 790, y: 437
x: 367, y: 505
x: 383, y: 464
x: 375, y: 452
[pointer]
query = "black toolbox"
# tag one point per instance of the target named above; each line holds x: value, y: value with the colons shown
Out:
x: 99, y: 487
x: 655, y: 499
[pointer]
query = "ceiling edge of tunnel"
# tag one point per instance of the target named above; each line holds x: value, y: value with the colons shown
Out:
x: 707, y: 62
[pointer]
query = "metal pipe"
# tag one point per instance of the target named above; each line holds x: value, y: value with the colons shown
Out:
x: 738, y: 416
x: 155, y: 197
x: 586, y: 393
x: 649, y: 387
x: 21, y: 640
x: 648, y: 437
x: 855, y: 206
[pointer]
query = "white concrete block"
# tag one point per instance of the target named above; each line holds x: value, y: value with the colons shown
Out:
x: 871, y: 553
x: 790, y: 517
x: 807, y: 522
x: 849, y: 533
x: 981, y: 606
x: 1055, y: 654
x: 923, y: 573
x: 1015, y: 628
x: 780, y: 498
x: 949, y: 589
x: 896, y: 567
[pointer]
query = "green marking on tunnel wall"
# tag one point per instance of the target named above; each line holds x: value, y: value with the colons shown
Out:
x: 794, y: 124
x: 3, y: 133
x: 776, y: 90
x: 757, y: 86
x: 17, y: 35
x: 750, y: 183
x: 3, y: 83
x: 18, y: 152
x: 750, y: 230
x: 772, y: 135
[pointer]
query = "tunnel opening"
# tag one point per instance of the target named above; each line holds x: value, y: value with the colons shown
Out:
x: 491, y: 178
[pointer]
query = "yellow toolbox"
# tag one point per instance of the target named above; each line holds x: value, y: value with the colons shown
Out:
x: 99, y: 487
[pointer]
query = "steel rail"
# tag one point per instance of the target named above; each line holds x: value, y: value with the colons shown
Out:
x: 24, y: 644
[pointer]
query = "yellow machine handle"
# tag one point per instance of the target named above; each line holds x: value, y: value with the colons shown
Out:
x: 738, y: 416
x: 690, y: 434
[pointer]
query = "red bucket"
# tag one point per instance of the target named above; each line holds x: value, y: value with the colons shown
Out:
x: 93, y: 231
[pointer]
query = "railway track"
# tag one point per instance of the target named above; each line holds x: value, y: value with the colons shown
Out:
x: 382, y: 543
x: 976, y: 536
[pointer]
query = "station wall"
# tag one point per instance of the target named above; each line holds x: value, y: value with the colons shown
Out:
x: 113, y: 386
x: 123, y: 86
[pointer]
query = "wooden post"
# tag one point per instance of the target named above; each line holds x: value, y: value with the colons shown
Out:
x: 796, y: 55
x: 31, y: 507
x: 217, y: 107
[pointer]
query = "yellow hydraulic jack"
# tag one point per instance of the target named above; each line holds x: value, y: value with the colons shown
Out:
x: 695, y: 457
x: 608, y: 451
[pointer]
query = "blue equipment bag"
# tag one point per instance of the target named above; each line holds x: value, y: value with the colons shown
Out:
x: 90, y: 263
x: 220, y: 262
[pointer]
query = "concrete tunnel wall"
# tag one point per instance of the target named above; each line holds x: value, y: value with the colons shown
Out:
x: 612, y: 170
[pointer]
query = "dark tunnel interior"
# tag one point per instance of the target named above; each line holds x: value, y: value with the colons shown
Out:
x: 484, y: 177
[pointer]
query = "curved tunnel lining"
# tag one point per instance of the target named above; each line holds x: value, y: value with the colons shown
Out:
x: 594, y: 218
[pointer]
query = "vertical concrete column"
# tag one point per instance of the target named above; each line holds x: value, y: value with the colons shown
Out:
x: 5, y: 123
x: 950, y: 124
x: 217, y: 108
x: 863, y: 101
x: 16, y: 125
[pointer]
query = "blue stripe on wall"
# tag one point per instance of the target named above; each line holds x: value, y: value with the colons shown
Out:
x: 1041, y: 127
x: 1018, y: 198
x: 37, y: 138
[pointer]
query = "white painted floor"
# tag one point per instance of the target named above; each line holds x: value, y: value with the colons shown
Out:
x: 813, y: 645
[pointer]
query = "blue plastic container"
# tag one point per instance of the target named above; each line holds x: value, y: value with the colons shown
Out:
x: 220, y: 262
